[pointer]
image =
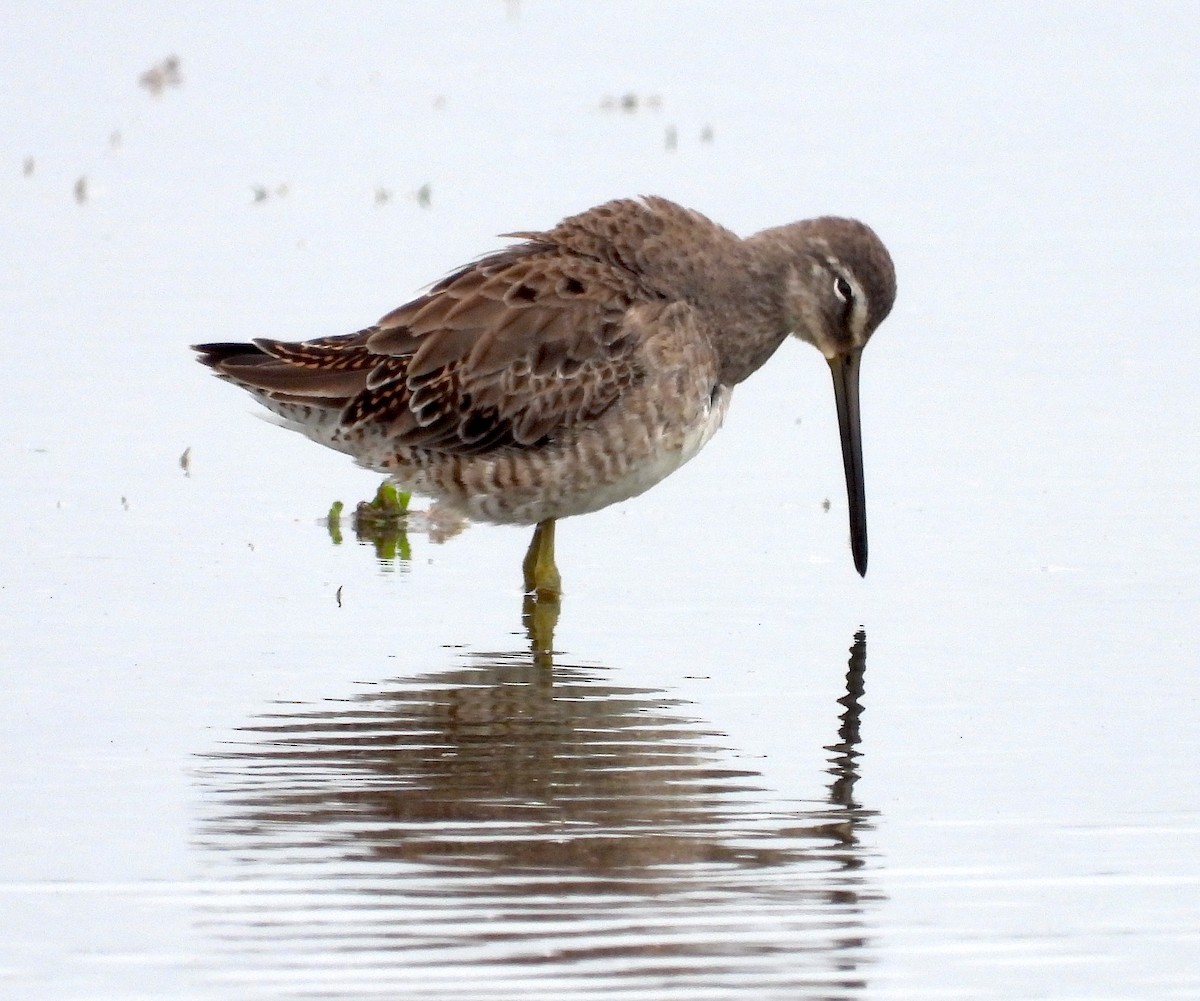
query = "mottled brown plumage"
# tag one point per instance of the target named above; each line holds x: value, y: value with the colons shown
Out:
x: 583, y: 364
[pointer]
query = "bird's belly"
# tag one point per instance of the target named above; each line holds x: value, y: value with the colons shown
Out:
x: 602, y: 465
x: 661, y: 459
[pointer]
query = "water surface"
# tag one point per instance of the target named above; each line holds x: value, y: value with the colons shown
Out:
x: 242, y: 759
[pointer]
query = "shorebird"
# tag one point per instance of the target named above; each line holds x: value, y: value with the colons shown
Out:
x: 581, y: 365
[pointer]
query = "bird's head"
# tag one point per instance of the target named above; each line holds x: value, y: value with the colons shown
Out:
x: 839, y: 285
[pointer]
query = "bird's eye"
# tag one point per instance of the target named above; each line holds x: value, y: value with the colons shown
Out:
x: 843, y: 290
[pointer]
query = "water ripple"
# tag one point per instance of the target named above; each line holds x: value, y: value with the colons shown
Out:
x: 504, y: 829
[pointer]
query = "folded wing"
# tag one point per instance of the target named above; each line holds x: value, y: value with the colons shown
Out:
x: 508, y: 350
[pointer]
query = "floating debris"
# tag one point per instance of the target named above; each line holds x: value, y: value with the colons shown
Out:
x: 706, y: 134
x: 185, y: 461
x: 672, y: 138
x: 383, y: 196
x: 333, y: 522
x: 81, y: 190
x: 423, y: 195
x: 338, y: 595
x: 29, y: 166
x: 384, y: 522
x: 162, y: 75
x: 388, y: 503
x: 825, y: 505
x: 125, y: 503
x: 262, y: 192
x: 631, y: 102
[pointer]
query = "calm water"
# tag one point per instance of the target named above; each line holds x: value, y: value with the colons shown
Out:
x: 242, y: 759
x: 505, y: 824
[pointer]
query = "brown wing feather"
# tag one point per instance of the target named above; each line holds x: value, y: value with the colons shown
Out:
x: 506, y: 350
x: 514, y: 346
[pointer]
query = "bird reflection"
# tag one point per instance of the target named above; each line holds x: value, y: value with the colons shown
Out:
x: 545, y: 795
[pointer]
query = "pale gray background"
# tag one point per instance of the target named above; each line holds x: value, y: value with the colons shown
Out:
x: 1030, y: 739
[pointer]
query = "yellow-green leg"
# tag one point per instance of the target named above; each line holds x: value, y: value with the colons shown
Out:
x: 541, y: 574
x: 543, y: 594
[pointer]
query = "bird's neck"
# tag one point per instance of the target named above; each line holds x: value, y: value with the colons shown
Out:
x: 737, y: 285
x: 750, y: 306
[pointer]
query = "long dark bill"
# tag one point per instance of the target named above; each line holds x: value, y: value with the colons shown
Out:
x: 845, y: 392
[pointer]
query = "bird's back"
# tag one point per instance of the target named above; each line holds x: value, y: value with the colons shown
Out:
x: 554, y: 347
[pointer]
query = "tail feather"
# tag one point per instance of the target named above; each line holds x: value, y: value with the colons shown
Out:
x: 255, y: 369
x: 218, y: 353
